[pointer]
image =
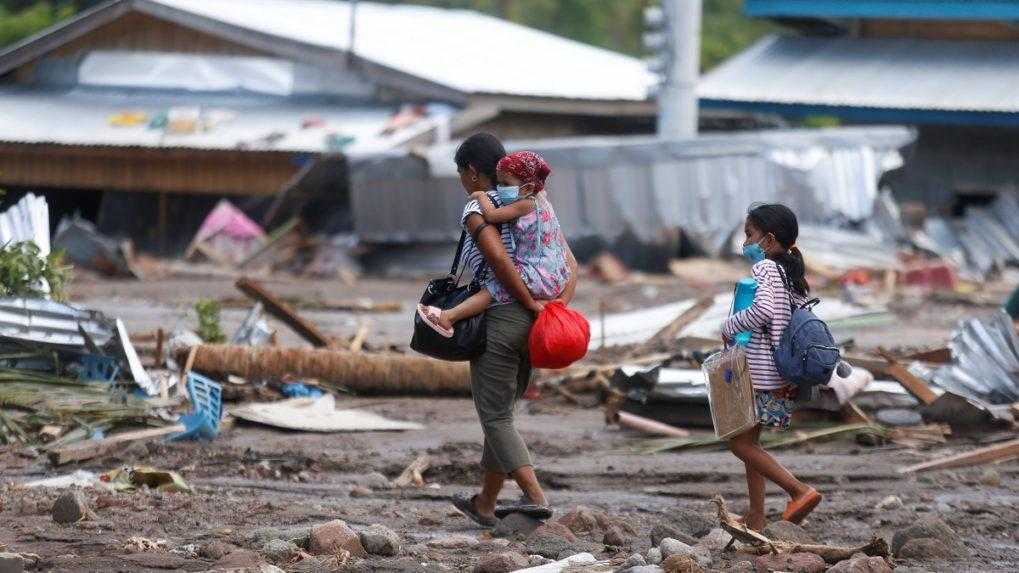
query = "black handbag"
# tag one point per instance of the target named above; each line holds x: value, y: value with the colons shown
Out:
x: 468, y: 340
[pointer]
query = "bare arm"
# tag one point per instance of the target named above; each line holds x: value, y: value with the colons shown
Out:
x: 571, y: 261
x: 504, y: 214
x: 489, y: 242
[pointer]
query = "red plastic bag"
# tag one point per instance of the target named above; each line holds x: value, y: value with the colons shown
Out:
x: 559, y: 337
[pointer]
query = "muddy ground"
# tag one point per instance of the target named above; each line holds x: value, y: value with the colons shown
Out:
x: 254, y: 484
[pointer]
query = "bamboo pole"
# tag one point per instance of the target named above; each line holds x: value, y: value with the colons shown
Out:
x: 366, y: 374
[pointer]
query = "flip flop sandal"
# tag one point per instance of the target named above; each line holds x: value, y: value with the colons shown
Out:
x: 466, y: 506
x: 427, y: 313
x: 800, y: 508
x: 529, y: 509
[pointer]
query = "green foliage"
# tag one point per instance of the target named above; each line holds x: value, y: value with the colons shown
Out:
x: 18, y: 22
x: 209, y: 328
x: 23, y: 270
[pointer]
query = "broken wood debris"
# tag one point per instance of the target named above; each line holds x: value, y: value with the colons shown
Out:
x: 87, y: 450
x: 313, y: 303
x: 666, y: 337
x: 990, y: 454
x: 641, y: 424
x: 412, y: 475
x: 282, y: 311
x: 377, y: 374
x: 910, y: 382
x: 761, y: 545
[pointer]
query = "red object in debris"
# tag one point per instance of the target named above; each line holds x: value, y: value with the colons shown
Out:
x: 935, y: 276
x: 559, y: 337
x: 856, y: 277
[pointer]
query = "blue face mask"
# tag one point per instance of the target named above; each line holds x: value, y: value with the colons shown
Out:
x: 753, y: 253
x: 508, y: 193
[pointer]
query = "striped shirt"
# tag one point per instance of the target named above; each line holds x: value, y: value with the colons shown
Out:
x: 476, y: 261
x: 769, y: 315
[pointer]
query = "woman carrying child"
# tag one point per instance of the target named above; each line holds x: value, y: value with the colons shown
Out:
x: 500, y: 248
x: 771, y: 231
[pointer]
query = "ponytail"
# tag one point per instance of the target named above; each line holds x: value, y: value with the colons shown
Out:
x: 795, y: 271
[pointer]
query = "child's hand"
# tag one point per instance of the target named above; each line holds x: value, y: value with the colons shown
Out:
x: 477, y: 195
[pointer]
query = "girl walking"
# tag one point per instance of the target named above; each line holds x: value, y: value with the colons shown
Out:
x: 771, y: 231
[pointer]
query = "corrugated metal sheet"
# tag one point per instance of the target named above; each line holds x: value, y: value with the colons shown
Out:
x: 27, y: 220
x: 606, y: 186
x: 462, y: 49
x: 893, y: 73
x: 48, y: 322
x: 82, y: 117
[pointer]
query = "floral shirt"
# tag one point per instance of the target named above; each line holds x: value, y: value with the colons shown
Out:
x: 539, y: 250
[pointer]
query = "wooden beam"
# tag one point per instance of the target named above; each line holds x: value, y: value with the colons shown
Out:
x: 88, y: 449
x: 282, y: 311
x: 996, y: 453
x: 667, y: 335
x: 911, y: 383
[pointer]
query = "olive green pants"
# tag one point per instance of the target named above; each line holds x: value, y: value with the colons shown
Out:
x: 499, y: 378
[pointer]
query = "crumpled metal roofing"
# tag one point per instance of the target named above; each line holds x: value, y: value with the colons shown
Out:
x: 606, y: 186
x: 82, y: 117
x: 985, y: 355
x: 461, y: 49
x: 889, y: 73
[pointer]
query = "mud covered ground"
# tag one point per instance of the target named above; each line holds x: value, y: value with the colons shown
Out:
x: 254, y: 484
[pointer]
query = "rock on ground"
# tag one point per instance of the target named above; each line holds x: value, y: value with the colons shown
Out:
x: 11, y: 563
x: 990, y: 478
x: 861, y: 563
x: 328, y: 538
x: 890, y: 502
x: 670, y: 547
x: 715, y: 541
x: 681, y: 564
x: 502, y: 563
x: 279, y: 550
x: 581, y: 520
x: 930, y: 527
x: 240, y: 559
x: 215, y: 550
x: 664, y: 530
x: 516, y: 524
x: 553, y: 543
x: 453, y: 542
x: 71, y: 507
x: 925, y: 549
x: 635, y: 560
x: 790, y: 563
x: 654, y: 556
x: 786, y: 531
x: 617, y: 536
x: 380, y: 540
x: 299, y: 534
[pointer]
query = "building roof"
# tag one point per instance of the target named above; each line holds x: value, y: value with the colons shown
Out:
x: 894, y: 9
x: 84, y: 117
x: 462, y: 51
x: 967, y: 81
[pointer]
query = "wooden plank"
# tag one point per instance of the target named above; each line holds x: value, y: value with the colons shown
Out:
x: 911, y: 383
x: 667, y: 335
x: 979, y: 456
x: 88, y: 449
x: 852, y: 414
x: 282, y: 311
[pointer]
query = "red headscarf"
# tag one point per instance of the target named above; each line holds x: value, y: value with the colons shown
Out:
x: 527, y: 166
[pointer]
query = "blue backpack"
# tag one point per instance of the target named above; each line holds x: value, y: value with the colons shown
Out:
x: 806, y: 354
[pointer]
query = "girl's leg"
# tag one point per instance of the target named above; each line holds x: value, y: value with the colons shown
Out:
x: 473, y: 306
x: 754, y: 519
x: 746, y: 447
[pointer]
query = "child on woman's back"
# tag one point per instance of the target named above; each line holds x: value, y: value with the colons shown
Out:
x: 771, y: 231
x: 540, y: 254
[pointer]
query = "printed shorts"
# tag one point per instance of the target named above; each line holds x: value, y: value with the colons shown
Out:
x: 775, y: 407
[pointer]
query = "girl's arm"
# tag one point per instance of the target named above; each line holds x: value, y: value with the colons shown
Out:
x: 504, y: 214
x: 571, y: 261
x: 489, y: 242
x: 757, y: 315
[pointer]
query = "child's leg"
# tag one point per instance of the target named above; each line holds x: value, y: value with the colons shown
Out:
x: 473, y: 306
x: 746, y: 447
x: 754, y: 519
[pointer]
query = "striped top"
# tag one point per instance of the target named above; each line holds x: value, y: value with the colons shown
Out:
x: 770, y: 313
x: 476, y: 261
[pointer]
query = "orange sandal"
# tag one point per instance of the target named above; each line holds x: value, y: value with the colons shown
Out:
x: 800, y: 508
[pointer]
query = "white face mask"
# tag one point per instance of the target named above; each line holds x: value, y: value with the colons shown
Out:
x: 508, y: 193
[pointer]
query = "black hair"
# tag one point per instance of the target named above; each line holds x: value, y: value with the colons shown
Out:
x: 482, y: 151
x: 780, y: 221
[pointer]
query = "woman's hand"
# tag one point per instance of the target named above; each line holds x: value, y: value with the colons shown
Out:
x: 536, y: 306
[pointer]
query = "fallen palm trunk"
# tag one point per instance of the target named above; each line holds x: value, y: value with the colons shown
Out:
x: 377, y: 374
x: 758, y: 544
